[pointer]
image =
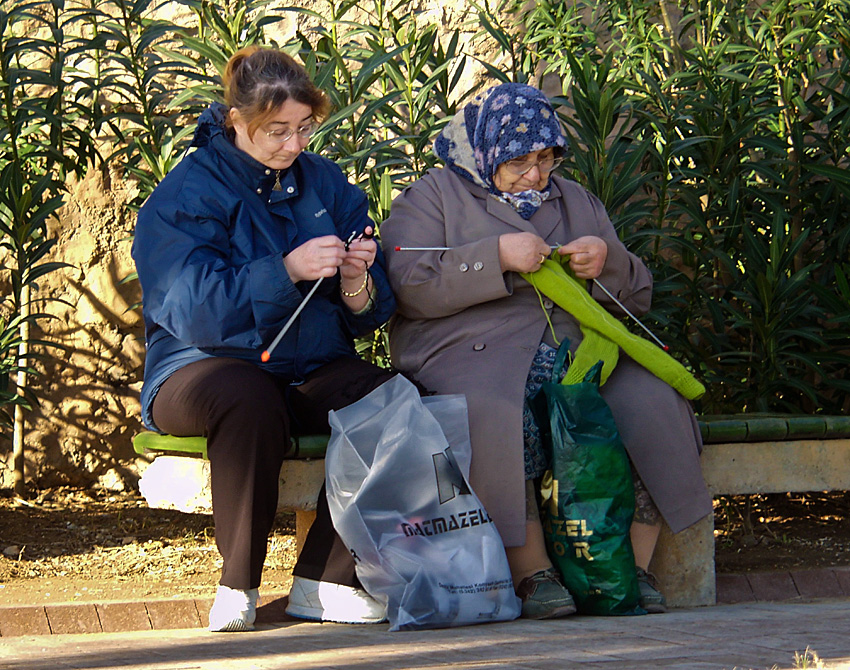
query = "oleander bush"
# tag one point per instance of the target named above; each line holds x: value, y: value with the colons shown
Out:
x: 716, y: 133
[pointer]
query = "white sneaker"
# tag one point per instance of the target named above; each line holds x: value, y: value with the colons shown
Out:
x: 325, y: 601
x: 234, y: 610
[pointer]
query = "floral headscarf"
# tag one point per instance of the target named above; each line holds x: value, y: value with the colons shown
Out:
x: 498, y: 125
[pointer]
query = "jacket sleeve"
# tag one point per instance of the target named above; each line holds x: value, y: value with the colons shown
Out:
x: 351, y: 214
x: 193, y: 288
x: 435, y: 284
x: 624, y: 274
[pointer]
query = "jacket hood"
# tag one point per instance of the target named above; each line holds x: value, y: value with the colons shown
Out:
x: 210, y: 124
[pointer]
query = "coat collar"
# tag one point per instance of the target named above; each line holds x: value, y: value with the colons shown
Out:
x: 543, y: 222
x: 259, y: 178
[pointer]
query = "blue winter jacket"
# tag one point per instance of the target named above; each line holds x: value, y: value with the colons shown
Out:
x: 209, y: 248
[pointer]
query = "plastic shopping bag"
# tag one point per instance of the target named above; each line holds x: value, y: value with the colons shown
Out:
x: 396, y: 475
x: 588, y: 496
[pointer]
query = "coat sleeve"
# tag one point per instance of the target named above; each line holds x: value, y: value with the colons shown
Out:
x: 435, y: 284
x: 193, y: 288
x: 624, y: 275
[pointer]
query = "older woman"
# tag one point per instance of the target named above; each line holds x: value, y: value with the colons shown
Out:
x: 467, y: 322
x: 228, y: 247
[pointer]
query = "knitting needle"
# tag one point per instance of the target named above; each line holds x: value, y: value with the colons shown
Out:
x: 267, y: 354
x: 422, y: 248
x: 633, y: 317
x: 551, y: 246
x: 595, y: 281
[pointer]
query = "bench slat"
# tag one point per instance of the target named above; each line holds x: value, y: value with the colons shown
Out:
x: 716, y: 428
x: 303, y: 447
x: 727, y: 428
x: 149, y: 441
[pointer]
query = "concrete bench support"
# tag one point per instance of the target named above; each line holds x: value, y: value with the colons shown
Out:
x: 684, y: 563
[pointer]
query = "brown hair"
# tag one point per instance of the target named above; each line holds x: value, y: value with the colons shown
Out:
x: 257, y: 81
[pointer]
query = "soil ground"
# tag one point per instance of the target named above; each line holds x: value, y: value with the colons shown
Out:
x: 781, y: 531
x: 68, y: 544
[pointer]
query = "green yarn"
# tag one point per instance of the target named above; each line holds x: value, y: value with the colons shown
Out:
x: 592, y: 349
x: 604, y: 335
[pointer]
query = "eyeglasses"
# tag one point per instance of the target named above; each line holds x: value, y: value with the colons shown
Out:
x: 545, y: 165
x: 281, y: 135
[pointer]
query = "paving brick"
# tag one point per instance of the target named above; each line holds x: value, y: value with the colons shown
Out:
x: 744, y: 635
x: 773, y: 586
x: 819, y: 583
x: 170, y: 614
x: 73, y: 618
x: 23, y: 621
x: 842, y: 575
x: 117, y: 617
x: 734, y: 589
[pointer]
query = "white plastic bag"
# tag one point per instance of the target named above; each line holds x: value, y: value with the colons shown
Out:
x: 396, y: 474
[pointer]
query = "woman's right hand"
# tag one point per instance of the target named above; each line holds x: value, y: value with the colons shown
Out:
x: 522, y: 252
x: 317, y: 257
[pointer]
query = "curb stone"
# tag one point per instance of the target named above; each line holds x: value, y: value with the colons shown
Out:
x: 784, y: 585
x: 114, y: 617
x: 111, y: 617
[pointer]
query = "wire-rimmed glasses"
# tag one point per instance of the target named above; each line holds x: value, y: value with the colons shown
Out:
x: 545, y: 165
x: 281, y: 135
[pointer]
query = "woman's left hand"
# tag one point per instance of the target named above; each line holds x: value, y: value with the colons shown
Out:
x: 587, y: 256
x: 359, y: 257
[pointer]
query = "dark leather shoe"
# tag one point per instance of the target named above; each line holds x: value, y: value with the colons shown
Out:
x: 544, y: 596
x: 651, y: 599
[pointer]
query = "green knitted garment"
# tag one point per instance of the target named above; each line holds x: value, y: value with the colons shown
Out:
x: 604, y: 335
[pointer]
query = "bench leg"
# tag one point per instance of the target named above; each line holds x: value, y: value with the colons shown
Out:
x: 303, y: 520
x: 684, y: 565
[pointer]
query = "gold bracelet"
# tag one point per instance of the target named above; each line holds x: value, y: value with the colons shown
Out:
x: 358, y: 291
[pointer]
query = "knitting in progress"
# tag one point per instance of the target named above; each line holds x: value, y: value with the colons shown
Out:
x: 604, y: 335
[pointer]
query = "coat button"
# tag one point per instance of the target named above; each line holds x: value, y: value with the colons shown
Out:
x: 268, y: 171
x: 290, y: 189
x: 463, y: 267
x: 548, y: 304
x: 478, y: 266
x: 478, y: 346
x: 259, y: 191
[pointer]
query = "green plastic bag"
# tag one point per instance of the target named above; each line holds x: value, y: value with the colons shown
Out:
x: 588, y: 496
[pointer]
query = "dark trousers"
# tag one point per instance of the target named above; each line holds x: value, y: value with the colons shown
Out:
x: 247, y: 416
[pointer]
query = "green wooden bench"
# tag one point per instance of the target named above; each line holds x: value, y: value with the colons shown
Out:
x: 743, y: 454
x: 305, y: 446
x: 762, y: 427
x: 714, y: 428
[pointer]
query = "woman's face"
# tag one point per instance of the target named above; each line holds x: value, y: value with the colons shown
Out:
x: 266, y: 145
x: 537, y: 166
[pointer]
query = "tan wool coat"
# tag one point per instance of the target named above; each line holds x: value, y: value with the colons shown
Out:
x: 464, y: 326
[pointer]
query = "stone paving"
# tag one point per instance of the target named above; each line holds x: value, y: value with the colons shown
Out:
x: 764, y: 619
x: 741, y: 636
x: 114, y: 617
